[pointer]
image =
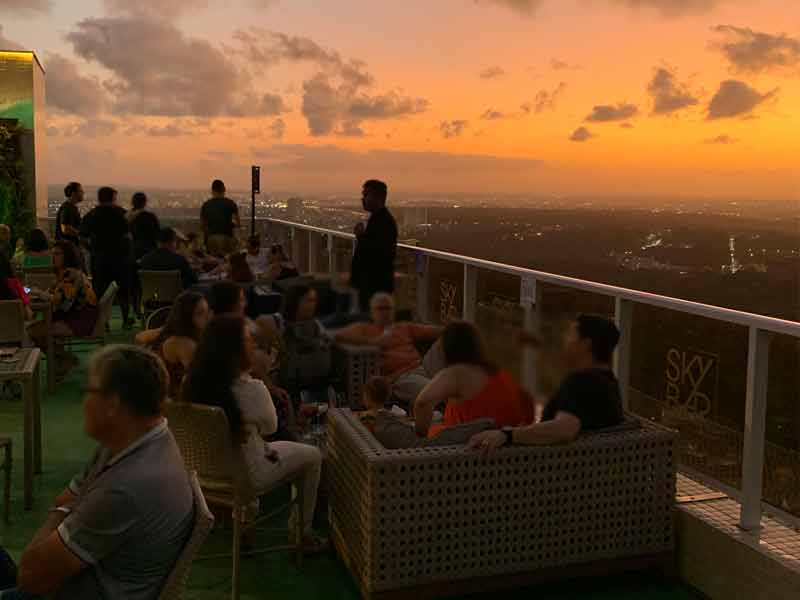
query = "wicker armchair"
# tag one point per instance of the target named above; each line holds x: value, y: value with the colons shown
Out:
x: 356, y: 364
x: 159, y: 288
x: 445, y: 521
x: 203, y: 436
x: 203, y: 522
x: 12, y: 322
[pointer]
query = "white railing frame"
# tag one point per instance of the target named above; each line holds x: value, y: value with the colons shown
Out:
x: 760, y: 330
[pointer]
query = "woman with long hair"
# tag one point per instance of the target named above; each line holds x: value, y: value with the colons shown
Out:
x: 74, y: 305
x: 471, y: 386
x: 280, y: 267
x: 177, y: 340
x: 11, y: 288
x: 220, y: 376
x: 37, y: 250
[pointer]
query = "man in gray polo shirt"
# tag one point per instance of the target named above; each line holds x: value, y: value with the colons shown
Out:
x: 120, y: 526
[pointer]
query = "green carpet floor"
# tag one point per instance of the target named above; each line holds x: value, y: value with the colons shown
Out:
x: 274, y: 576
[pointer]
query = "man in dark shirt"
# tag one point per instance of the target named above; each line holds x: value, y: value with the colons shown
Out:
x: 372, y: 269
x: 145, y: 227
x: 106, y: 227
x: 167, y: 258
x: 68, y: 217
x: 220, y: 217
x: 119, y: 527
x: 589, y: 398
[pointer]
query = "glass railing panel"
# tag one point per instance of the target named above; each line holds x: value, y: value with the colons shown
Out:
x: 781, y: 482
x: 445, y: 291
x: 690, y: 373
x: 498, y: 315
x: 405, y: 292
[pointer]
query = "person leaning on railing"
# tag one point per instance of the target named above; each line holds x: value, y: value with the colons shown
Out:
x: 588, y: 398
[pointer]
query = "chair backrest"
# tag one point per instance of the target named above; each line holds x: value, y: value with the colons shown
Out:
x: 12, y: 322
x: 158, y: 318
x: 204, y: 438
x: 203, y: 522
x: 161, y: 286
x: 43, y: 279
x: 105, y: 306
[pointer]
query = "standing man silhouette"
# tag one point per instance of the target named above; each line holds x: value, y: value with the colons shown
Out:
x: 372, y: 269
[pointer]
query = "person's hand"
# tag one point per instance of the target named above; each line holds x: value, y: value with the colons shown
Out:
x: 487, y: 441
x: 281, y: 395
x: 272, y: 455
x: 359, y: 229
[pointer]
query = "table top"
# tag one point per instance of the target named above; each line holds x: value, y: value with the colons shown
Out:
x: 21, y: 365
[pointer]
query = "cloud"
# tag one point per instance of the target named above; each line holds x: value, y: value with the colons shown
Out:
x: 721, y: 140
x: 669, y: 96
x: 169, y: 130
x: 751, y: 51
x: 671, y: 8
x: 525, y: 7
x: 581, y: 134
x: 559, y: 65
x: 165, y: 9
x: 736, y: 99
x: 25, y: 6
x: 493, y: 115
x: 451, y: 129
x: 278, y: 128
x: 544, y: 100
x: 7, y: 44
x: 177, y: 75
x: 604, y: 113
x: 70, y: 91
x: 627, y: 125
x: 493, y: 72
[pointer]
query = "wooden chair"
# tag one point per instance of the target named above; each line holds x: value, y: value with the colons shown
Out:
x: 203, y: 522
x: 159, y: 288
x: 158, y: 318
x: 5, y: 444
x: 12, y: 322
x: 203, y: 436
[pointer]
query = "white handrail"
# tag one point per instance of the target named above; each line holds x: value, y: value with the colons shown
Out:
x: 718, y: 313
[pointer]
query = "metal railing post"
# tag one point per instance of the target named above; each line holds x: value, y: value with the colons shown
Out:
x: 469, y: 309
x: 313, y: 252
x: 423, y: 285
x: 332, y: 268
x: 297, y: 248
x: 754, y: 428
x: 623, y: 316
x: 531, y: 302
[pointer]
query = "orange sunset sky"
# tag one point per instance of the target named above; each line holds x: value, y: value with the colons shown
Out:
x: 634, y: 97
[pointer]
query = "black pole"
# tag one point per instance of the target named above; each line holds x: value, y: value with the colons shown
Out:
x: 253, y: 213
x: 255, y: 188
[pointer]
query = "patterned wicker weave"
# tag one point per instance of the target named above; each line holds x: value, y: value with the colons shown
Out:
x: 203, y: 522
x: 405, y: 518
x: 357, y: 363
x: 12, y: 322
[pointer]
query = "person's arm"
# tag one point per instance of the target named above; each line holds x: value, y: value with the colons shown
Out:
x: 145, y: 338
x: 268, y: 329
x: 46, y: 563
x: 235, y: 216
x: 257, y: 407
x: 426, y: 333
x: 71, y: 226
x: 204, y: 218
x: 354, y: 334
x: 441, y: 388
x: 564, y: 428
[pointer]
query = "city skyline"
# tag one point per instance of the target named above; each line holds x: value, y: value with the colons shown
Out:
x: 649, y: 97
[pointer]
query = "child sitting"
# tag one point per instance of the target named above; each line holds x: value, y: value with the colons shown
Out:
x: 394, y: 431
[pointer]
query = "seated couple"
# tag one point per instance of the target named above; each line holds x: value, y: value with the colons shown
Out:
x: 474, y: 389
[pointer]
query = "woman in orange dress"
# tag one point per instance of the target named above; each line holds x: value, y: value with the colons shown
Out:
x: 471, y: 386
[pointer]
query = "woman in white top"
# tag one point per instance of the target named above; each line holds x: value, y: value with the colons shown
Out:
x: 220, y: 376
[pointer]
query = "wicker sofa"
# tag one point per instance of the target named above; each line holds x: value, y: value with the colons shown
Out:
x: 446, y: 521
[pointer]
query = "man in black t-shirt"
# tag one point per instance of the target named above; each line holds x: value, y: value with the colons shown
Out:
x: 68, y: 217
x: 220, y: 217
x: 588, y: 398
x: 106, y: 227
x: 167, y: 258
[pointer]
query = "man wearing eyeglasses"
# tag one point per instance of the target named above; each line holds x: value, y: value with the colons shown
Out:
x: 120, y: 526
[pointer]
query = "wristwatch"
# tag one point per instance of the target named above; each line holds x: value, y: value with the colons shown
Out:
x: 509, y: 433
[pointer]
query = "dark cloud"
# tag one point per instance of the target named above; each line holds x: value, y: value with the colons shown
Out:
x: 604, y: 113
x: 493, y: 115
x: 751, y: 51
x: 559, y: 65
x: 70, y: 91
x: 7, y: 44
x: 581, y: 134
x: 736, y: 99
x: 26, y: 6
x: 626, y: 125
x: 165, y: 9
x: 544, y: 100
x: 669, y: 95
x: 451, y: 129
x: 278, y: 128
x: 493, y: 72
x: 671, y: 8
x: 169, y: 130
x: 721, y: 140
x: 176, y: 76
x: 525, y: 7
